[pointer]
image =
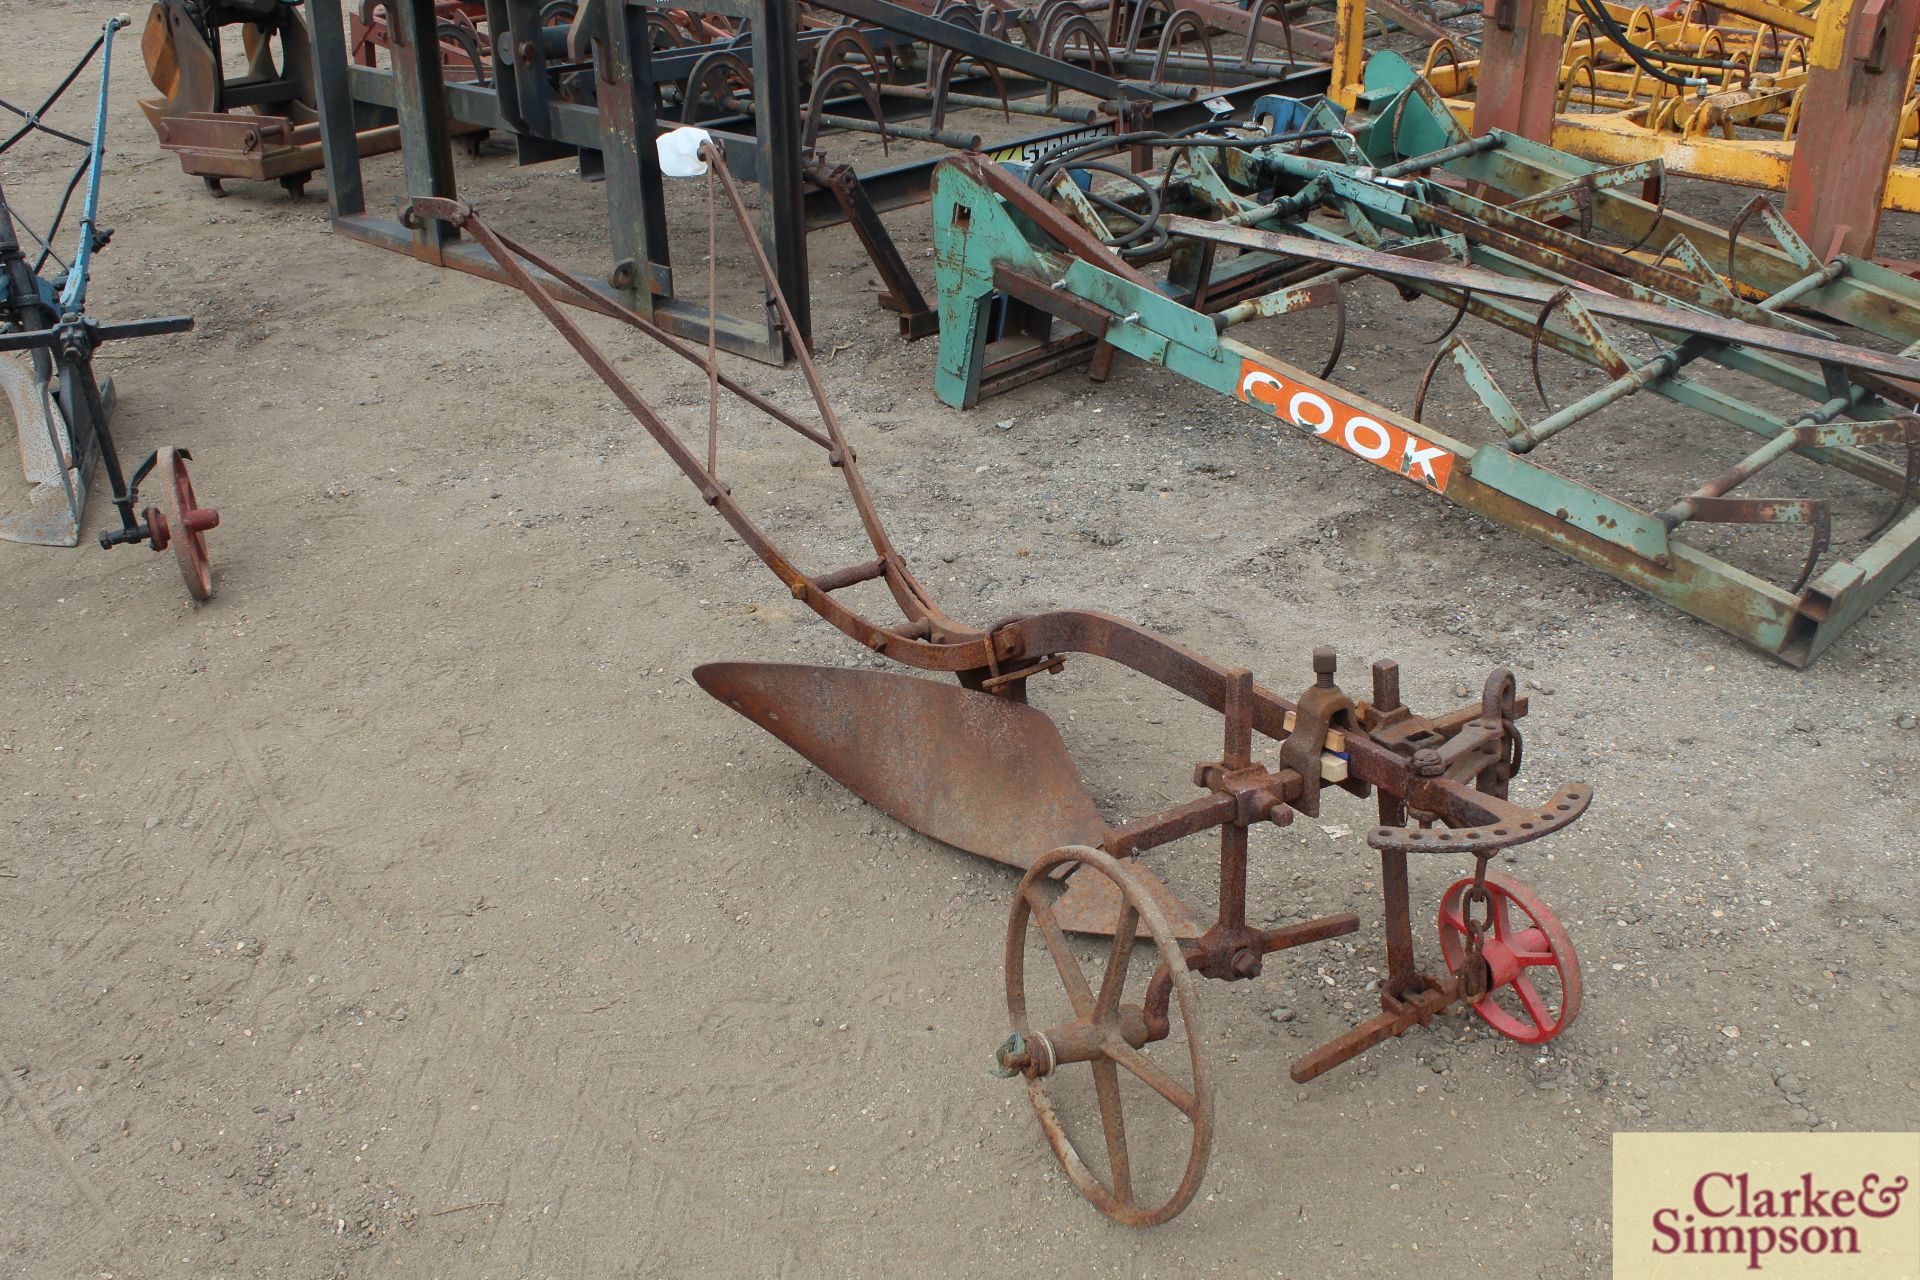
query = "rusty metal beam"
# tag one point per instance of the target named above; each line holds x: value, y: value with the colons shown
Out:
x: 1520, y: 47
x: 1850, y: 122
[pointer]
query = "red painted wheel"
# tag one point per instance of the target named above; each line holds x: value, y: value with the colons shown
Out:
x: 184, y: 522
x: 1526, y: 948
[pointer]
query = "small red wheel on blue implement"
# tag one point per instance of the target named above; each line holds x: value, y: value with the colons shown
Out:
x: 177, y: 520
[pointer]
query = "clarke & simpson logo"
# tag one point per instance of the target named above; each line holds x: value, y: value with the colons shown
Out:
x: 1785, y: 1205
x: 1728, y: 1215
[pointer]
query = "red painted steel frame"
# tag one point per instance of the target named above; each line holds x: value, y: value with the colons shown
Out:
x: 1520, y: 67
x: 1850, y: 125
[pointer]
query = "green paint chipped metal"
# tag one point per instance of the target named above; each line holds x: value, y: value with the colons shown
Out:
x: 1563, y: 253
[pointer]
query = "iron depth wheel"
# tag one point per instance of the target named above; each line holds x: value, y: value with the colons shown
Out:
x: 1106, y: 1034
x: 186, y: 521
x: 1525, y: 941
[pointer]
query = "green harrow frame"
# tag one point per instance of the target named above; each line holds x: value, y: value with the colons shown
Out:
x: 1037, y: 276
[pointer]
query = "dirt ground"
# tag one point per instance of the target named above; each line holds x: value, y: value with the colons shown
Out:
x: 407, y: 911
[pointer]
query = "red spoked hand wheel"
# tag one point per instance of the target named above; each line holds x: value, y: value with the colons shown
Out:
x: 1526, y: 948
x: 179, y: 521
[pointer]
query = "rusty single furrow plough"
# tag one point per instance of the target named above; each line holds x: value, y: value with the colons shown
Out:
x: 972, y: 764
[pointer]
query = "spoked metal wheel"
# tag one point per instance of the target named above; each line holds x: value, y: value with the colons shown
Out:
x: 1533, y: 975
x: 182, y: 522
x: 1110, y: 1036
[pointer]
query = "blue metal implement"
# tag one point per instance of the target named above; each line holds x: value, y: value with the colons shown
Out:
x: 60, y: 410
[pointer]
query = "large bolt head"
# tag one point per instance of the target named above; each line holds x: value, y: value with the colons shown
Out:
x: 1324, y: 664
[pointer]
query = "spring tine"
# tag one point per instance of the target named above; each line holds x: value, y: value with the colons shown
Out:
x: 1340, y: 330
x: 1006, y: 107
x: 939, y: 80
x: 1426, y: 380
x: 1753, y: 206
x: 816, y: 102
x: 1134, y: 27
x: 1077, y: 27
x: 1168, y: 31
x: 1816, y: 514
x: 1459, y: 314
x: 1172, y: 34
x: 1399, y: 114
x: 1659, y: 216
x: 719, y: 61
x: 1539, y: 326
x: 1822, y: 536
x: 833, y: 49
x: 1906, y: 488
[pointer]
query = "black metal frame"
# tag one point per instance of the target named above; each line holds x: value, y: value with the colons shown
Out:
x: 613, y: 136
